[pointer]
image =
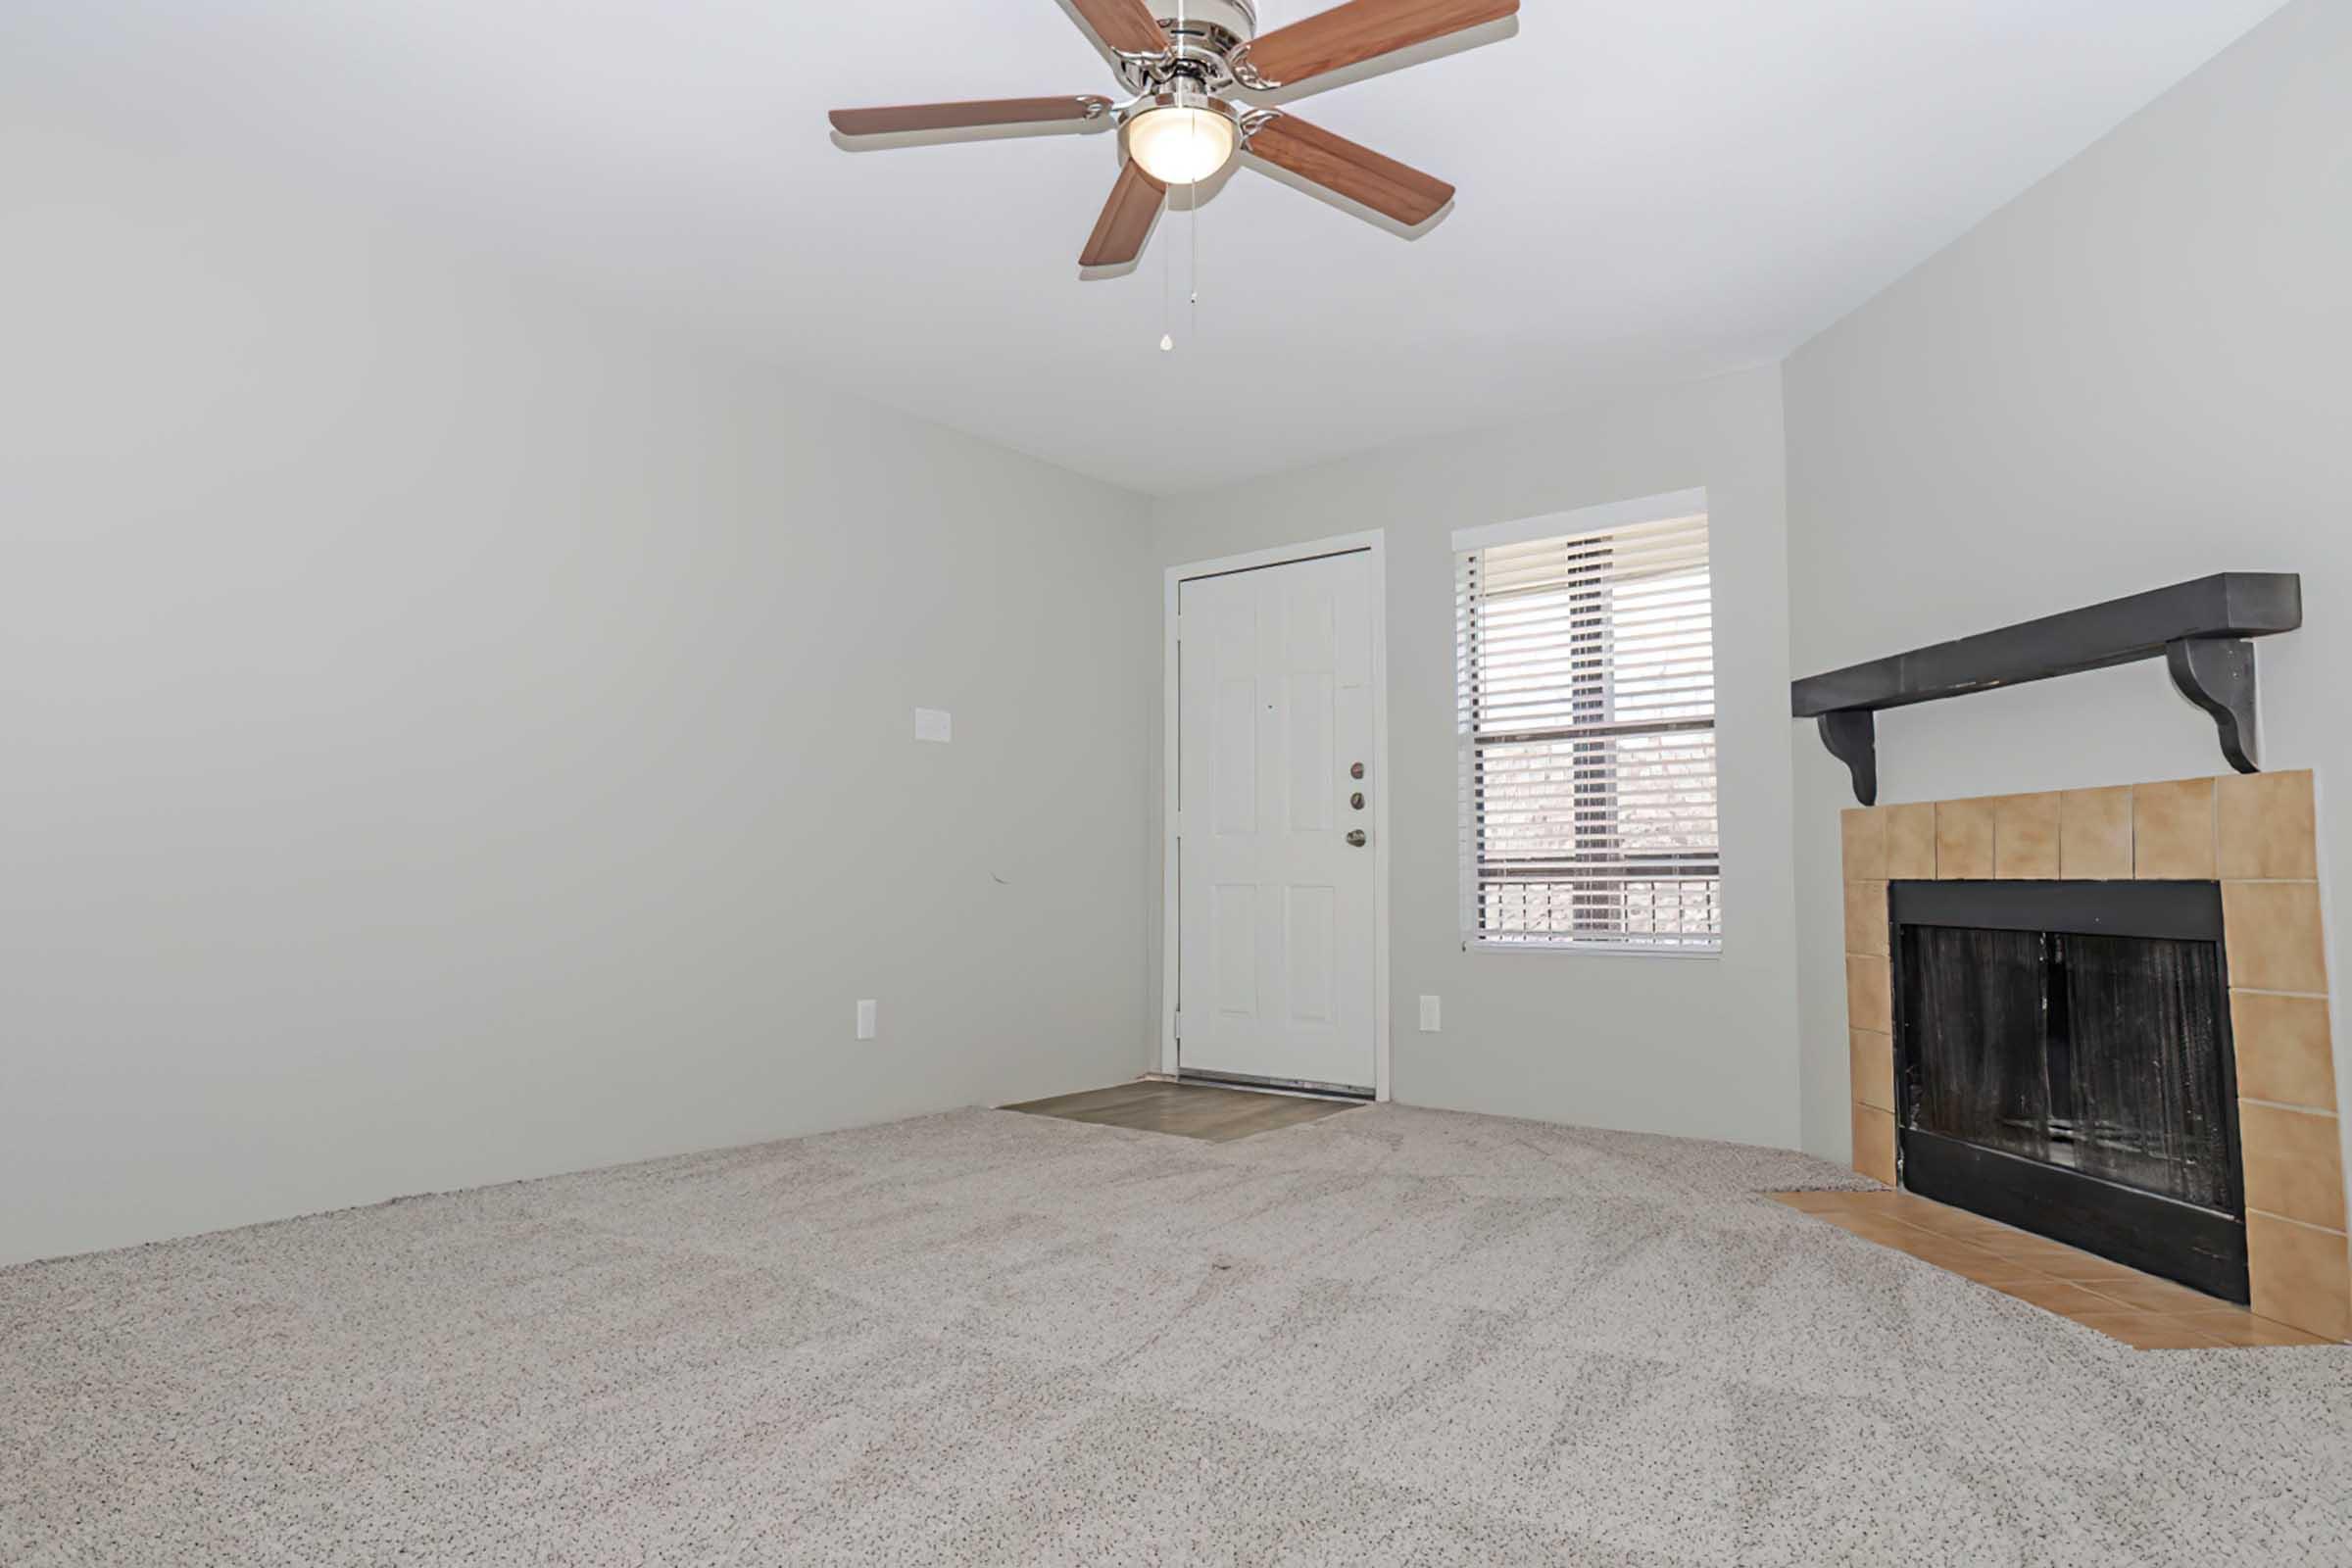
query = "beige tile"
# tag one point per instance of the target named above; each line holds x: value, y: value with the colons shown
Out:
x: 1862, y: 834
x: 2267, y: 827
x: 1879, y: 1228
x: 2114, y: 1324
x: 1945, y: 1253
x: 1909, y: 1208
x: 2025, y: 836
x: 1873, y: 1061
x: 2056, y: 1296
x: 2301, y: 1276
x: 2172, y: 830
x: 1869, y: 998
x: 2147, y: 1294
x: 1861, y: 1202
x: 2294, y: 1165
x: 2238, y: 1326
x: 1874, y: 1144
x: 1966, y: 1226
x: 2000, y: 1272
x: 2284, y: 1048
x: 1963, y: 839
x: 2150, y: 1330
x: 1811, y: 1202
x: 2272, y: 930
x: 1866, y: 917
x: 1871, y: 1205
x: 2086, y: 1268
x: 1823, y: 1206
x: 2095, y: 834
x: 2059, y: 1260
x: 1911, y: 842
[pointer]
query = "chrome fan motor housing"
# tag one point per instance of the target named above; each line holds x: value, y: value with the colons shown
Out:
x: 1201, y: 45
x: 1238, y: 18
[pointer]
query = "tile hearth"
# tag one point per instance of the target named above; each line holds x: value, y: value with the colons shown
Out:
x: 2139, y: 1309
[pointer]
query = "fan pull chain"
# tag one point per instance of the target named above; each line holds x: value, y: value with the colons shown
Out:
x: 1167, y: 272
x: 1193, y: 317
x: 1167, y: 284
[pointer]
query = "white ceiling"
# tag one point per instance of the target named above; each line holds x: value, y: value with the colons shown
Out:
x: 1651, y: 190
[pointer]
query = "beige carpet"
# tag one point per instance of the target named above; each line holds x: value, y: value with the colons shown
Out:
x: 1392, y: 1337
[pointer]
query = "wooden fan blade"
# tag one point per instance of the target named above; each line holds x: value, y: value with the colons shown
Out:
x: 1124, y: 26
x: 1364, y: 30
x: 990, y: 115
x: 1358, y: 173
x: 1127, y: 219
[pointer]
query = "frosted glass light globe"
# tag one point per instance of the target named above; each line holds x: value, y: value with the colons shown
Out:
x: 1180, y: 146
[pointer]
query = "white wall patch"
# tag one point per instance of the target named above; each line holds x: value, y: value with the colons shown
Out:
x: 934, y: 724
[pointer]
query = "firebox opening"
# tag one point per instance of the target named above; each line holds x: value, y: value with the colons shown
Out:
x: 2064, y: 1064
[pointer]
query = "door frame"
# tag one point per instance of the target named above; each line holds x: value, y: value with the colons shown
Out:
x: 1374, y: 543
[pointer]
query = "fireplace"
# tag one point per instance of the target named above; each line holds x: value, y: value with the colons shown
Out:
x: 2174, y: 928
x: 2063, y: 1063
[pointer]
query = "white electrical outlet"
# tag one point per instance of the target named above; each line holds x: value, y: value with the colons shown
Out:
x: 866, y: 1019
x: 1429, y: 1016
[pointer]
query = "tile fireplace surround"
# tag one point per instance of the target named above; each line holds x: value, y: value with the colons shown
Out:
x: 2256, y: 834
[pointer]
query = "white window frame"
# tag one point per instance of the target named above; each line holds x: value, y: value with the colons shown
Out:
x: 1589, y: 519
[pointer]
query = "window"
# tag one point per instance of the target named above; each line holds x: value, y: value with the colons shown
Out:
x: 1585, y: 654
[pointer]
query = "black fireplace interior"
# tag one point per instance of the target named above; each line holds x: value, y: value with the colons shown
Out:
x: 2063, y: 1063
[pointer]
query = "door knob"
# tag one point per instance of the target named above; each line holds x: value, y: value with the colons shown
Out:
x: 1356, y: 838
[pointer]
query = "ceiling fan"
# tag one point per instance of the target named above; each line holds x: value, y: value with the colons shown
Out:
x: 1192, y: 78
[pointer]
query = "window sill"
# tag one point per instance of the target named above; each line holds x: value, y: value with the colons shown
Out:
x: 1593, y: 949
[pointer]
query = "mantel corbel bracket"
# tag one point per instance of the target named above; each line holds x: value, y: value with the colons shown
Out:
x: 1852, y: 736
x: 2216, y: 673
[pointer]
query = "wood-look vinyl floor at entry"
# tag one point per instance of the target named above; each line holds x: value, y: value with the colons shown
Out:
x: 1213, y: 1115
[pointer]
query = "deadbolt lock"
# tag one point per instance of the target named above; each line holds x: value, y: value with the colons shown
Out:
x: 1356, y: 838
x: 1356, y: 800
x: 1357, y: 771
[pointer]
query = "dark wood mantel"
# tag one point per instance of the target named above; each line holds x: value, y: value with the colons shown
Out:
x: 2203, y: 629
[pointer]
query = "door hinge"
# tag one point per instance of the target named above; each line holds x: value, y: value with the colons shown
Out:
x: 1176, y: 1024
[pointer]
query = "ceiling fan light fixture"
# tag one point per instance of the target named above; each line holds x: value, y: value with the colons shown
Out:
x: 1176, y: 131
x: 1180, y: 144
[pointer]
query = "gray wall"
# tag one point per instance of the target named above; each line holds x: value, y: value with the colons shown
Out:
x: 451, y: 734
x: 1701, y: 1047
x: 2132, y: 375
x: 447, y: 736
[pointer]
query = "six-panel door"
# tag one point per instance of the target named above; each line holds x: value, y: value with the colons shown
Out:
x: 1276, y: 904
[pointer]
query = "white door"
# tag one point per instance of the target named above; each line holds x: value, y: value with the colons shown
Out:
x: 1275, y: 898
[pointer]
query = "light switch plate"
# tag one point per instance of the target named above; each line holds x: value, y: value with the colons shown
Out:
x: 934, y: 724
x: 1429, y: 1016
x: 867, y: 1012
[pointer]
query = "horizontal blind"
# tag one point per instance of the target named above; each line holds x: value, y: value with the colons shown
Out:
x: 1586, y: 667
